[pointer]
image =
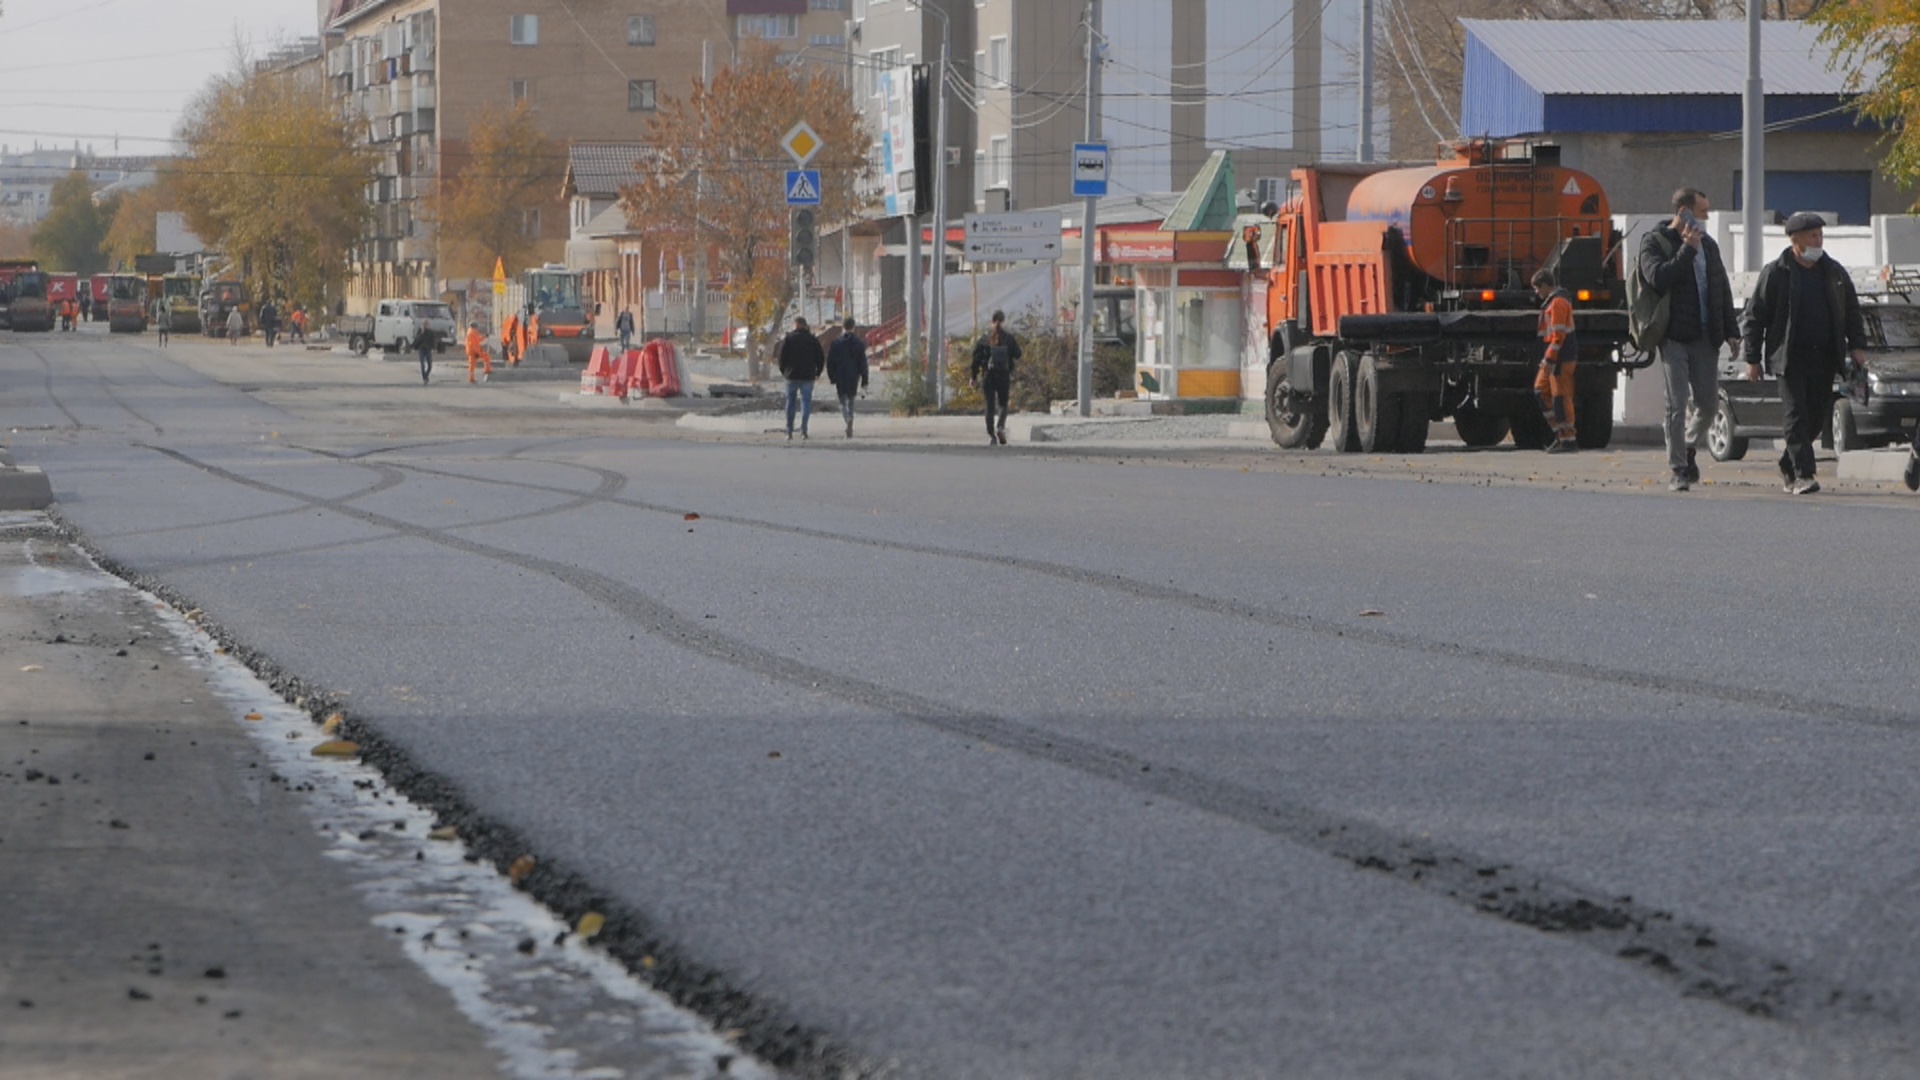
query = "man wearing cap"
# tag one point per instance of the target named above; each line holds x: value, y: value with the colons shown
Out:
x: 1803, y: 324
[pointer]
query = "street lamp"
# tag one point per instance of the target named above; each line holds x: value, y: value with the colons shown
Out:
x: 937, y: 303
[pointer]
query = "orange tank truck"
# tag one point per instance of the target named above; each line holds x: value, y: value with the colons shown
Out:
x: 1399, y: 295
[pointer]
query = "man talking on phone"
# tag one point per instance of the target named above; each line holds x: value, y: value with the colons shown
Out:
x: 1681, y: 262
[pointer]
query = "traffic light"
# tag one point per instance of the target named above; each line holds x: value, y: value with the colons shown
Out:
x: 800, y: 242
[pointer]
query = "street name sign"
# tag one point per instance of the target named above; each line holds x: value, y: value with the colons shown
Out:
x: 1012, y: 237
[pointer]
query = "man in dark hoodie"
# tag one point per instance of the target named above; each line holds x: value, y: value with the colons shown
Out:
x: 801, y: 360
x: 1680, y: 261
x: 1803, y: 324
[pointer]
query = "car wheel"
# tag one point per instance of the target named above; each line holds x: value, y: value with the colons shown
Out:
x: 1722, y: 443
x: 1846, y: 433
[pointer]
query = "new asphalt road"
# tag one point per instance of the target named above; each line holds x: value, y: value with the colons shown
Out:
x: 936, y: 760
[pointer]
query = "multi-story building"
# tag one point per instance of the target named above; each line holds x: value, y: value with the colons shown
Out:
x: 421, y: 72
x: 28, y: 177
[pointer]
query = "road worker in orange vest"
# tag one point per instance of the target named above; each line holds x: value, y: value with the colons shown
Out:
x: 1553, y: 386
x: 477, y: 352
x: 510, y: 340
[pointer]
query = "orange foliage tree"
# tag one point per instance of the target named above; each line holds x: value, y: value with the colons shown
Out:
x: 716, y: 180
x: 488, y: 209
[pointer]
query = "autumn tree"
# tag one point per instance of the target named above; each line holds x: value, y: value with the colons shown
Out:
x: 1880, y: 36
x: 133, y: 229
x: 488, y: 209
x: 69, y: 237
x: 716, y: 182
x: 276, y: 179
x: 16, y: 240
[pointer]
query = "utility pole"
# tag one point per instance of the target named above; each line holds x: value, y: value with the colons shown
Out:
x: 1089, y: 221
x: 1753, y: 153
x: 1365, y: 153
x: 699, y: 320
x: 937, y: 304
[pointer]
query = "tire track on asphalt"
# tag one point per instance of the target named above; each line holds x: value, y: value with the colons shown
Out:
x: 1741, y: 975
x: 47, y: 380
x: 1625, y: 678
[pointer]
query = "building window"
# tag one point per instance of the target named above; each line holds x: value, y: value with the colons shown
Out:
x: 881, y: 61
x: 1002, y: 160
x: 525, y: 30
x: 980, y: 78
x: 521, y: 91
x: 640, y: 30
x: 828, y: 5
x: 639, y: 95
x: 530, y: 222
x: 980, y: 180
x: 997, y: 61
x: 833, y: 41
x: 768, y: 27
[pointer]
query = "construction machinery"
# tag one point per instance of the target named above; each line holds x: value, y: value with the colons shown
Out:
x: 553, y: 295
x: 126, y: 303
x: 26, y: 288
x: 1400, y: 295
x: 220, y: 299
x: 182, y: 295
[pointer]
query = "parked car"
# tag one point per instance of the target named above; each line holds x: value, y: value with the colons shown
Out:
x: 395, y: 323
x: 1877, y: 406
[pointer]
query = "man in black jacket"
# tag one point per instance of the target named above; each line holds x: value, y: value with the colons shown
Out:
x: 847, y: 369
x: 1802, y: 324
x: 1681, y: 262
x: 801, y: 360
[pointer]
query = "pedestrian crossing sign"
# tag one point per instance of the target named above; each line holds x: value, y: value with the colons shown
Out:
x: 803, y: 187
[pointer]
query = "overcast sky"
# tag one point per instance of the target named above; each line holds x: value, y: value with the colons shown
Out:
x: 96, y: 69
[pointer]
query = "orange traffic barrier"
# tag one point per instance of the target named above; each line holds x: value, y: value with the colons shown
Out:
x: 599, y: 372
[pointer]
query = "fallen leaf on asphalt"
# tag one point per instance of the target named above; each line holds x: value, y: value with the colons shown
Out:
x: 648, y: 962
x: 590, y: 924
x: 521, y: 867
x: 1368, y: 612
x: 690, y: 517
x: 336, y: 748
x: 253, y: 716
x: 773, y: 755
x: 332, y: 723
x: 31, y: 667
x: 444, y: 832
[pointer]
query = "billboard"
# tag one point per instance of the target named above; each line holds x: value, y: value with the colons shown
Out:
x: 897, y: 138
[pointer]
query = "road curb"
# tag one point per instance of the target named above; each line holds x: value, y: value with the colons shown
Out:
x: 24, y: 488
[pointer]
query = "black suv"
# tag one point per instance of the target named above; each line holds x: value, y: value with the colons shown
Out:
x: 1878, y: 405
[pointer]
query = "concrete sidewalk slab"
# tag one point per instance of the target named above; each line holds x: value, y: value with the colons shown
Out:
x: 1884, y: 465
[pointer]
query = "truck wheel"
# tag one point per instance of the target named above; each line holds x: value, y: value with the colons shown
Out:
x: 357, y: 344
x: 1722, y: 443
x: 1846, y: 433
x: 1376, y: 413
x: 1530, y: 430
x: 1416, y: 415
x: 1341, y: 436
x: 1291, y: 428
x: 1478, y: 428
x: 1593, y: 419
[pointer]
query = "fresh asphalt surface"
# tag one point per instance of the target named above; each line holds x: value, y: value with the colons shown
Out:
x: 1007, y: 763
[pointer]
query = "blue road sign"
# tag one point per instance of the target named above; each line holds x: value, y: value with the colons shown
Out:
x: 1090, y: 170
x: 803, y: 187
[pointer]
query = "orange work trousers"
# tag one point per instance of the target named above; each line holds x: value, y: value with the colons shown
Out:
x: 479, y: 357
x: 1553, y: 388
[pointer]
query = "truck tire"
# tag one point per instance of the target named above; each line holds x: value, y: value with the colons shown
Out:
x: 1530, y: 430
x: 357, y: 344
x: 1416, y: 416
x: 1341, y: 436
x: 1722, y: 443
x: 1593, y: 419
x: 1846, y: 432
x: 1478, y: 428
x: 1290, y: 427
x: 1376, y: 412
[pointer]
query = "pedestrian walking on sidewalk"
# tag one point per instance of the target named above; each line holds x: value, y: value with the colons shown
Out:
x: 1803, y: 324
x: 623, y: 324
x: 269, y: 322
x: 236, y: 326
x: 1682, y: 263
x: 994, y: 357
x: 847, y: 369
x: 424, y: 342
x: 162, y: 320
x: 1553, y: 386
x: 801, y: 361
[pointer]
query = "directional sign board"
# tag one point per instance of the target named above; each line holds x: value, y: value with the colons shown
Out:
x: 1012, y: 237
x: 803, y: 187
x: 1090, y: 163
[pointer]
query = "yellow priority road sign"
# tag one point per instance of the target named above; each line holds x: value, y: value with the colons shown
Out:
x: 801, y: 144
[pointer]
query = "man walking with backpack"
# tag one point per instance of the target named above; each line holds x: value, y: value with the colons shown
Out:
x: 847, y: 369
x: 994, y: 356
x: 1681, y: 262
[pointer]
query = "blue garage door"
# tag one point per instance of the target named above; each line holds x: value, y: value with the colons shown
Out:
x: 1847, y: 194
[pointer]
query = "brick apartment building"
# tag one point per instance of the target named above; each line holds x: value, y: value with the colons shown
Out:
x: 421, y: 72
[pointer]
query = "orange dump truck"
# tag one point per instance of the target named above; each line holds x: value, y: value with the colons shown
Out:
x: 1398, y: 296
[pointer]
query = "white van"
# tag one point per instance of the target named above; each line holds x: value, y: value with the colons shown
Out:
x: 395, y: 324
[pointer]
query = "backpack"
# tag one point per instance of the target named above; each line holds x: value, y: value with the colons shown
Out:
x: 999, y: 358
x: 1648, y: 309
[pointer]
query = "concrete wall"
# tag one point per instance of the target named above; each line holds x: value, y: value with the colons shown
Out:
x: 1640, y: 172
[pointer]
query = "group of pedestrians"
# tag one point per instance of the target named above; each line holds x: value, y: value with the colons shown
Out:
x: 844, y: 362
x: 1803, y: 325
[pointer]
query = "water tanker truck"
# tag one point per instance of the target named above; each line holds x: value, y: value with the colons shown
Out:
x: 1398, y: 296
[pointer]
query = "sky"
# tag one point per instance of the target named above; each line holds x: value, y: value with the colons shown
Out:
x: 96, y: 69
